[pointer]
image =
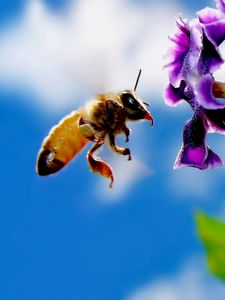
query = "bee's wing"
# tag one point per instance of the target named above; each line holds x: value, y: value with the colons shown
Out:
x: 61, y: 145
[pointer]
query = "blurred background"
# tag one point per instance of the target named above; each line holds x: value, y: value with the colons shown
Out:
x: 69, y: 236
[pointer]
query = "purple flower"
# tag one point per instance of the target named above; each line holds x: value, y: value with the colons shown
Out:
x: 191, y: 61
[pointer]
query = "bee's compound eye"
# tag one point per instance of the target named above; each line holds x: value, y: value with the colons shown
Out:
x: 131, y: 100
x: 128, y: 100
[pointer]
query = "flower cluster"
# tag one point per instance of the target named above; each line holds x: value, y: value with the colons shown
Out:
x: 192, y: 59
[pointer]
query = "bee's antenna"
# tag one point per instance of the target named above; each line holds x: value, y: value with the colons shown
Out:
x: 139, y: 74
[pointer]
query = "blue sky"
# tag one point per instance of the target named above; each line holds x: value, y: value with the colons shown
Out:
x: 68, y: 236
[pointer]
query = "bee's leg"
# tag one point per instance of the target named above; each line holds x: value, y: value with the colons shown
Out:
x: 88, y: 129
x: 117, y: 149
x: 99, y: 166
x: 127, y: 132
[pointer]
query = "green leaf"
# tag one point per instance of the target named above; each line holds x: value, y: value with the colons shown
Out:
x: 212, y: 233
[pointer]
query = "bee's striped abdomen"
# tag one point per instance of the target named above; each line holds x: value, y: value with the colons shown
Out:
x: 61, y: 145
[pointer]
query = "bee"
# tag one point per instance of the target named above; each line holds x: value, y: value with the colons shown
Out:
x: 104, y: 116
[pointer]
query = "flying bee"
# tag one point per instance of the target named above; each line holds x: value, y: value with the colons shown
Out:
x: 105, y: 115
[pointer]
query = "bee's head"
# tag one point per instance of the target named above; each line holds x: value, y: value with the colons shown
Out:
x: 134, y: 108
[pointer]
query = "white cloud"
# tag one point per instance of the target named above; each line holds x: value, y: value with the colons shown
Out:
x: 94, y: 46
x: 192, y: 282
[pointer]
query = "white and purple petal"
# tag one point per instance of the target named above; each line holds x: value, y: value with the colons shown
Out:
x: 210, y: 58
x: 215, y: 120
x: 220, y: 5
x: 194, y: 152
x: 204, y: 93
x: 215, y: 31
x: 213, y: 160
x: 173, y: 95
x: 176, y: 54
x: 209, y: 15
